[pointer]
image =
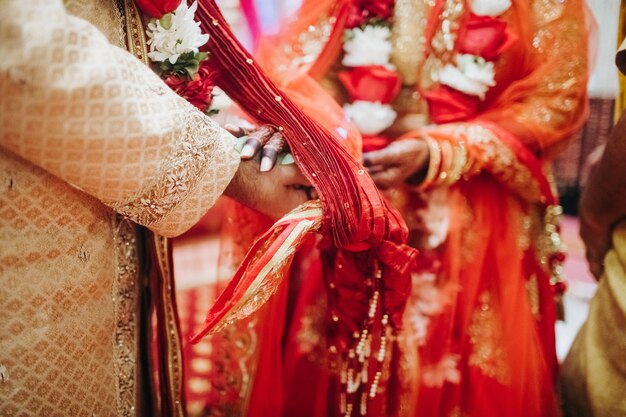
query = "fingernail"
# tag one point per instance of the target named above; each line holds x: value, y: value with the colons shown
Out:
x: 247, y: 151
x: 266, y: 164
x: 230, y: 126
x: 287, y: 159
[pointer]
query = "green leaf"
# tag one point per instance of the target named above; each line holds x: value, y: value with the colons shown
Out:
x: 191, y: 68
x: 166, y: 21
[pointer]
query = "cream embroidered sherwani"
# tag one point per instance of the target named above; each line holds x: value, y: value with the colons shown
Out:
x: 92, y: 142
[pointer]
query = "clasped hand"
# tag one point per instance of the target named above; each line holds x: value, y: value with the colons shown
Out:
x: 268, y: 180
x: 402, y: 161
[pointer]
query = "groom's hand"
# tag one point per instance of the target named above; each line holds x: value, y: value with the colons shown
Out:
x: 273, y: 193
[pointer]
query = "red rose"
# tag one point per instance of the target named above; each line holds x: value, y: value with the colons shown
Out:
x: 361, y: 11
x: 447, y: 105
x: 157, y: 8
x: 197, y: 91
x: 374, y: 143
x: 371, y: 83
x: 485, y: 36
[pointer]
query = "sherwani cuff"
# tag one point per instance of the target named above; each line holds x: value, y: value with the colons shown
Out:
x: 196, y: 172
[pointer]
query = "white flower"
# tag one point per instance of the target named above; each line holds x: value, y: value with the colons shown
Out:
x: 370, y: 117
x: 472, y: 75
x: 490, y: 7
x: 368, y: 46
x: 182, y: 36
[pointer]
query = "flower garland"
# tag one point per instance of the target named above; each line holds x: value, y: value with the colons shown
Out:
x: 174, y: 38
x: 372, y: 82
x: 464, y: 83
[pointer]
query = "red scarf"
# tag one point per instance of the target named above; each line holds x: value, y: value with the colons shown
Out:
x: 368, y: 261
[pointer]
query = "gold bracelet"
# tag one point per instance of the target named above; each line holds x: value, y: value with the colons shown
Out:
x: 446, y: 161
x: 458, y: 164
x: 434, y: 163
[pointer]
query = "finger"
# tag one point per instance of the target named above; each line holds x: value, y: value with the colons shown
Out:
x: 236, y: 131
x: 296, y: 197
x: 291, y: 198
x: 271, y: 150
x: 291, y: 175
x: 374, y: 169
x: 388, y: 178
x: 250, y: 148
x: 380, y: 157
x: 256, y: 140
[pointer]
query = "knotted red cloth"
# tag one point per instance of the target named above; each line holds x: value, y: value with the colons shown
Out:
x: 366, y: 238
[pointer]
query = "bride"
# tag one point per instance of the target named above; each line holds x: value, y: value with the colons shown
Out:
x: 462, y: 105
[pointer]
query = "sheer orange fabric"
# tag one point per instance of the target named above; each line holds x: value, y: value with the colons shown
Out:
x: 482, y: 309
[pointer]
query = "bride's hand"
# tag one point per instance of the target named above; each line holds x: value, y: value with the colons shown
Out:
x: 400, y: 161
x: 267, y: 139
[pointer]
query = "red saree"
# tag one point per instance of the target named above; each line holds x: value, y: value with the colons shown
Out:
x: 482, y: 310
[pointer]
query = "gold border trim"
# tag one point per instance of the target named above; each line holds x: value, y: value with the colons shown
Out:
x: 124, y: 297
x: 172, y: 334
x: 135, y: 32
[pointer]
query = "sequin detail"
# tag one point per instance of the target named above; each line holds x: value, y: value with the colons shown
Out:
x: 485, y: 336
x: 124, y: 300
x: 179, y: 172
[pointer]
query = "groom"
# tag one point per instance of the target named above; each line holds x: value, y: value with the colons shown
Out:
x: 92, y: 145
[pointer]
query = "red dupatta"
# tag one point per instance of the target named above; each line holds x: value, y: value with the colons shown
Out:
x: 367, y: 260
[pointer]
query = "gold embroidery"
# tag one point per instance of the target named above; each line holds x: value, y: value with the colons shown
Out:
x: 174, y: 350
x: 135, y: 32
x: 179, y: 172
x: 311, y: 336
x: 546, y: 11
x: 486, y: 151
x: 485, y: 336
x: 303, y: 52
x: 457, y: 412
x: 268, y: 279
x: 408, y: 41
x: 407, y: 37
x: 444, y: 39
x: 523, y: 240
x: 442, y: 43
x: 554, y: 99
x: 124, y: 302
x: 533, y: 296
x: 234, y: 364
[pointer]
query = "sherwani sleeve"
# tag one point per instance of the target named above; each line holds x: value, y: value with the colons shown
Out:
x: 95, y: 116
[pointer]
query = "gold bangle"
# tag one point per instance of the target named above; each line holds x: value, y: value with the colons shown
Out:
x: 434, y: 163
x: 458, y: 164
x: 446, y: 161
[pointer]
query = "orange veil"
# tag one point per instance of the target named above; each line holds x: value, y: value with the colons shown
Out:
x: 502, y: 322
